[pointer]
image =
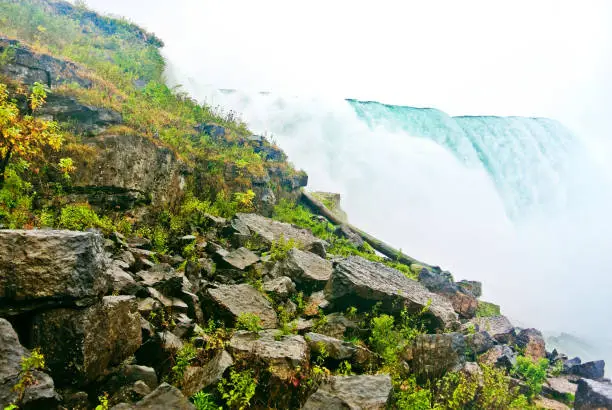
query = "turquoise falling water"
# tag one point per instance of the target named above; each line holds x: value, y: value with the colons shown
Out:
x: 529, y: 159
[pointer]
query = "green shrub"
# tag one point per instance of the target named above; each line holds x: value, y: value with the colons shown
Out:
x: 205, y: 401
x: 238, y: 390
x: 533, y: 373
x: 249, y: 321
x: 80, y: 217
x: 486, y: 309
x: 183, y: 359
x: 280, y: 249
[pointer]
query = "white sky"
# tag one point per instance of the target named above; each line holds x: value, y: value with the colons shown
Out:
x: 521, y: 57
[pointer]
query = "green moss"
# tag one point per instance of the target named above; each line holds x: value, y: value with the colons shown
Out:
x: 487, y: 309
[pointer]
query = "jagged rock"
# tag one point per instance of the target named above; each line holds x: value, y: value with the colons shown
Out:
x: 479, y: 342
x: 441, y: 283
x: 163, y: 398
x: 197, y: 378
x: 314, y: 303
x: 281, y: 287
x: 433, y: 355
x: 240, y: 259
x: 41, y: 394
x: 309, y: 271
x: 29, y: 67
x: 499, y: 327
x: 281, y: 357
x: 158, y: 351
x: 337, y: 325
x: 141, y: 389
x: 74, y: 400
x: 50, y: 268
x: 79, y: 345
x: 304, y: 325
x: 229, y: 301
x: 471, y: 286
x: 340, y: 350
x: 352, y: 392
x: 268, y: 231
x: 84, y: 118
x: 148, y: 305
x: 133, y: 373
x: 589, y: 370
x: 146, y: 329
x: 549, y: 404
x: 184, y: 325
x: 122, y: 282
x: 568, y: 364
x: 558, y: 387
x: 592, y: 395
x: 126, y: 257
x: 175, y: 304
x: 499, y: 355
x: 128, y: 171
x: 358, y: 282
x: 344, y: 231
x: 533, y: 342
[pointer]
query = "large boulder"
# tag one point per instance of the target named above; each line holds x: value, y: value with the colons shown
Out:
x: 163, y: 398
x: 230, y: 301
x: 559, y: 387
x: 197, y: 378
x: 432, y: 355
x: 593, y: 395
x: 79, y: 345
x: 499, y: 327
x: 532, y: 341
x: 268, y: 231
x: 358, y: 282
x: 310, y: 272
x: 352, y: 392
x: 589, y: 370
x: 282, y: 357
x: 50, y: 268
x: 500, y: 356
x: 441, y: 283
x: 40, y: 394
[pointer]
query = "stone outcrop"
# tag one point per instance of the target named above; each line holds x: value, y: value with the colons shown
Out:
x: 198, y: 378
x: 80, y: 344
x: 340, y: 350
x: 163, y: 398
x: 358, y: 282
x: 352, y: 392
x: 441, y: 283
x: 499, y: 327
x: 50, y: 268
x: 433, y: 355
x: 532, y: 341
x: 589, y: 370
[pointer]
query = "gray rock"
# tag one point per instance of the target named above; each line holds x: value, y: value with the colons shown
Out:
x: 358, y: 282
x: 471, y: 286
x: 589, y: 370
x: 158, y: 351
x: 340, y: 350
x: 499, y: 327
x: 148, y: 305
x: 282, y: 357
x: 344, y: 231
x: 240, y: 259
x: 140, y: 388
x: 282, y: 287
x: 132, y: 373
x: 79, y: 345
x: 593, y: 395
x: 309, y: 271
x: 122, y: 282
x: 268, y: 231
x: 163, y: 398
x: 500, y: 356
x: 198, y: 378
x: 352, y: 392
x: 441, y: 283
x: 50, y: 268
x: 41, y: 394
x: 433, y: 355
x: 337, y: 325
x: 479, y: 342
x: 558, y: 387
x: 230, y: 301
x: 532, y: 341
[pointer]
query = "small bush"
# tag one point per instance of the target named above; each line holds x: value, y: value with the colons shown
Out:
x: 81, y: 217
x: 486, y: 309
x: 205, y: 401
x: 280, y: 249
x: 183, y: 359
x: 534, y: 374
x: 249, y: 321
x: 238, y: 390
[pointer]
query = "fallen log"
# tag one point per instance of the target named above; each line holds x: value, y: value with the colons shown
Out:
x: 382, y: 247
